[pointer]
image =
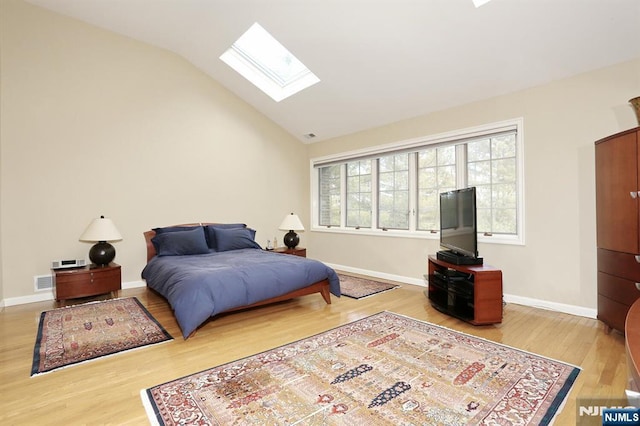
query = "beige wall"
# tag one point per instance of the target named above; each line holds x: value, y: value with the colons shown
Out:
x: 94, y: 123
x: 561, y: 122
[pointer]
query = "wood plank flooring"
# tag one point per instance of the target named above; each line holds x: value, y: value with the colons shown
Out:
x: 106, y: 391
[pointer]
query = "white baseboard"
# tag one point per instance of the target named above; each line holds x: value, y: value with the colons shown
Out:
x: 518, y: 300
x: 43, y: 296
x: 552, y: 306
x: 133, y: 284
x: 375, y: 274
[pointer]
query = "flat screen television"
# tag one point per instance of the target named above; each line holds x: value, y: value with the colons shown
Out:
x: 458, y: 227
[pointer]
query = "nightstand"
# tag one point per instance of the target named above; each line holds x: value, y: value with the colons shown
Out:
x: 90, y: 280
x: 296, y: 251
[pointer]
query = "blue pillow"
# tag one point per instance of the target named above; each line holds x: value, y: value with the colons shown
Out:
x: 235, y: 238
x: 178, y: 243
x: 210, y: 232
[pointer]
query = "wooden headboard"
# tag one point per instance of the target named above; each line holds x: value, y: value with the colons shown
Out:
x: 148, y: 235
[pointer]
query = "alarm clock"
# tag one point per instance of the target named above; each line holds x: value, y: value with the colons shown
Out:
x: 63, y: 264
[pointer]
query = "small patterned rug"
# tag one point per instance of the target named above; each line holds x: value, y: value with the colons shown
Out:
x: 79, y: 333
x: 357, y: 288
x: 385, y: 369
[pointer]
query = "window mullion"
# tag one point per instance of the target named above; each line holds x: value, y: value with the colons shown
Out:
x: 374, y: 194
x: 343, y: 195
x: 461, y: 166
x: 413, y: 191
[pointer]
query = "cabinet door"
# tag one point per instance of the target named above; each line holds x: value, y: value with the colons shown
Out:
x: 616, y: 179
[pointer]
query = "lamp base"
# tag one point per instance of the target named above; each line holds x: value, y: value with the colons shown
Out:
x: 291, y: 239
x: 102, y: 253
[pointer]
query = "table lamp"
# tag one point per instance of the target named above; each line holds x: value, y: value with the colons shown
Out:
x: 291, y: 223
x: 100, y: 231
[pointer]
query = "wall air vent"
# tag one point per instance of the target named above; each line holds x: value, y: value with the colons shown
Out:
x: 43, y: 282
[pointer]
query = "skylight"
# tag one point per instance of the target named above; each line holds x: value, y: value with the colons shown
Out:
x: 262, y: 60
x: 478, y: 3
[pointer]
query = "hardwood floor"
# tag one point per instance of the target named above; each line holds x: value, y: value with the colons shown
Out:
x: 106, y: 391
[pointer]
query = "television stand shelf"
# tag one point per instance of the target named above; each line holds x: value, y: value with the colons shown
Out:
x: 472, y: 293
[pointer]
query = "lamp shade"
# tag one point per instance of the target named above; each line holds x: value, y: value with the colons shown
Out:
x: 291, y: 222
x: 101, y: 229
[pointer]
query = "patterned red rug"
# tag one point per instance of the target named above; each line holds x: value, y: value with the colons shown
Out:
x: 358, y: 288
x: 79, y: 333
x: 385, y: 369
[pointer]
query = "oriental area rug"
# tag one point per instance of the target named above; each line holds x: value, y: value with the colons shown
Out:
x: 385, y: 369
x: 79, y: 333
x: 358, y: 288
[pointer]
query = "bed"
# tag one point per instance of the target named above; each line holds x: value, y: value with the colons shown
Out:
x: 205, y: 269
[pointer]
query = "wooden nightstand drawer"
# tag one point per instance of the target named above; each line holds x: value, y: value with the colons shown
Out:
x: 87, y: 281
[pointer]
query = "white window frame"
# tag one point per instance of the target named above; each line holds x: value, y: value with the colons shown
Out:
x: 413, y: 144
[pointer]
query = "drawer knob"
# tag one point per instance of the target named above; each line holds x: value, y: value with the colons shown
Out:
x: 637, y: 256
x: 638, y: 286
x: 634, y: 195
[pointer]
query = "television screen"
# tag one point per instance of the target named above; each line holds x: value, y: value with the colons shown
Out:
x: 458, y: 230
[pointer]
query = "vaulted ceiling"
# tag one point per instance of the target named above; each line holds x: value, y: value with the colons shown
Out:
x: 380, y: 61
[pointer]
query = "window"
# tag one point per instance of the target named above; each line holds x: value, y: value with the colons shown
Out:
x: 436, y: 174
x: 359, y: 194
x: 395, y: 189
x: 330, y: 199
x: 266, y: 63
x: 491, y: 168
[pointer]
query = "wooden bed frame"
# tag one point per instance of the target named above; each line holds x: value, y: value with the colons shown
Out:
x: 321, y: 287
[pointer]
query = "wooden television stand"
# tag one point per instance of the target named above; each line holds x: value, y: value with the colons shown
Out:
x: 472, y: 293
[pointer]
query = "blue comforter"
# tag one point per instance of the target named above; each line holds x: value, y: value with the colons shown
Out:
x: 200, y: 286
